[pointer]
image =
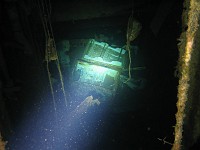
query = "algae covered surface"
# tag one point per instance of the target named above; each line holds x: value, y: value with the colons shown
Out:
x: 188, y: 91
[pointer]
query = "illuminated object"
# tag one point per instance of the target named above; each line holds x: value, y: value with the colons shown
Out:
x: 96, y: 75
x: 102, y: 53
x: 100, y: 65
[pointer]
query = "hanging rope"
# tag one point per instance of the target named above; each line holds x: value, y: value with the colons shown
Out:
x: 133, y: 30
x: 57, y: 59
x: 47, y: 45
x: 50, y: 48
x: 128, y: 35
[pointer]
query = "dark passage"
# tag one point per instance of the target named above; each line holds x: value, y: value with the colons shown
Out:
x: 93, y: 108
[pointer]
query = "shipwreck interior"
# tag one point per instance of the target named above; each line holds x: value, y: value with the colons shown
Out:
x: 93, y: 75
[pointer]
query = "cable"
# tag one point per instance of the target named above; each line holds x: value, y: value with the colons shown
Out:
x: 129, y: 30
x: 47, y: 36
x: 58, y: 64
x: 51, y: 86
x: 129, y: 66
x: 50, y: 42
